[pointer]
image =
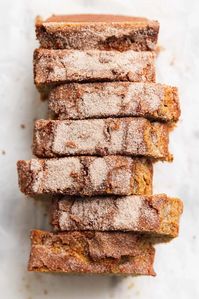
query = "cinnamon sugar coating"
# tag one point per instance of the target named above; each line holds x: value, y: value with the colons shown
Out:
x: 103, y: 32
x: 85, y: 176
x: 154, y: 101
x: 112, y: 136
x: 157, y: 215
x: 114, y: 253
x: 60, y: 66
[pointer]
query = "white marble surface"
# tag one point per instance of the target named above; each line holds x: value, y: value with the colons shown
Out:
x: 176, y: 263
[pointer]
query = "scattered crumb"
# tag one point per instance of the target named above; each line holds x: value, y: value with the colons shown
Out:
x: 45, y: 214
x: 137, y: 293
x: 173, y: 60
x: 114, y: 281
x: 131, y: 285
x: 39, y: 277
x: 27, y: 286
x: 3, y: 152
x: 159, y: 49
x: 194, y: 237
x: 45, y: 292
x: 23, y: 126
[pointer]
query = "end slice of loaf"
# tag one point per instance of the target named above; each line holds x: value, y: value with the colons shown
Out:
x: 157, y: 215
x: 103, y: 32
x: 113, y: 253
x: 60, y: 66
x: 112, y: 136
x: 154, y: 101
x: 85, y: 176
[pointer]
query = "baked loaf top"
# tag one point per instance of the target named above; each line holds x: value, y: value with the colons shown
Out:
x: 59, y: 66
x: 100, y: 100
x: 157, y: 214
x: 104, y: 32
x: 91, y: 252
x: 85, y: 176
x: 112, y: 136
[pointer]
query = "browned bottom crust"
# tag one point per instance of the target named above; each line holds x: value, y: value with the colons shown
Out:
x: 157, y: 215
x: 91, y: 252
x: 130, y: 136
x: 104, y: 32
x: 86, y: 175
x: 114, y: 99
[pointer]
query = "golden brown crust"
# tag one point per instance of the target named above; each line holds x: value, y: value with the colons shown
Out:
x: 91, y: 252
x: 112, y: 136
x: 53, y: 67
x: 90, y: 18
x: 157, y: 215
x: 86, y: 176
x: 103, y: 32
x: 154, y: 101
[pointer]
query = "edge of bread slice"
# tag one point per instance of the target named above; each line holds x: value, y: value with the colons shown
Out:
x: 88, y: 252
x: 157, y: 215
x: 103, y: 32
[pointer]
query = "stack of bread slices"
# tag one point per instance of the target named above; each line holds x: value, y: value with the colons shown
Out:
x: 109, y: 121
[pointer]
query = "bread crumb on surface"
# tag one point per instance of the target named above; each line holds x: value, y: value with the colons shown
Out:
x: 159, y: 49
x: 22, y: 126
x: 131, y: 285
x: 173, y: 60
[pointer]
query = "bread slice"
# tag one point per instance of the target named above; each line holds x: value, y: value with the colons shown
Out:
x: 88, y: 252
x: 59, y: 66
x: 114, y: 99
x: 112, y: 136
x: 103, y: 32
x: 85, y: 176
x: 157, y: 215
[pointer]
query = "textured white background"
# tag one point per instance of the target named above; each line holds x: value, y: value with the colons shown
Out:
x: 176, y: 263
